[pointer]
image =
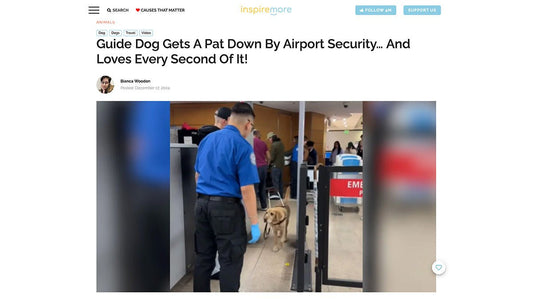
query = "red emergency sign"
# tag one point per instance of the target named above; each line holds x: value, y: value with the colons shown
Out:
x: 352, y: 188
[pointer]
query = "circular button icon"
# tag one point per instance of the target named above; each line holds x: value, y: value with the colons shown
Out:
x: 438, y: 267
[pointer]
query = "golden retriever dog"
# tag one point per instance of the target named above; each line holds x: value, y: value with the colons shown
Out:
x: 277, y: 218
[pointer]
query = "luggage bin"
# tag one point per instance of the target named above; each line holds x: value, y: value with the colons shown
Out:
x: 349, y: 160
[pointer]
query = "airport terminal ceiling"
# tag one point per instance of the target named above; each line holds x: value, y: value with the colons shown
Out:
x: 340, y: 115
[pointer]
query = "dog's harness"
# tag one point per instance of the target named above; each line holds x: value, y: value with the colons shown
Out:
x: 265, y: 232
x: 280, y: 221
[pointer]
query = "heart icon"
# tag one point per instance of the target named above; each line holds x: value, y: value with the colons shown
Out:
x: 137, y: 9
x: 438, y: 267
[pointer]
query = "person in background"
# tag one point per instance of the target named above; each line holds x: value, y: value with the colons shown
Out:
x: 225, y: 173
x: 262, y: 157
x: 312, y: 157
x: 277, y: 151
x: 337, y: 149
x: 105, y: 85
x: 360, y: 147
x: 294, y: 164
x: 351, y: 149
x: 221, y: 120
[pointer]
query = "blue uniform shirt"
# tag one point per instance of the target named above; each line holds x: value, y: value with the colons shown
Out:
x: 295, y: 153
x: 225, y: 162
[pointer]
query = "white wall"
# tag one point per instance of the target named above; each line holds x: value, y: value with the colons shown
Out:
x: 343, y: 138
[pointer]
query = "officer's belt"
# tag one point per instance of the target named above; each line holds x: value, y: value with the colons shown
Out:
x: 218, y: 198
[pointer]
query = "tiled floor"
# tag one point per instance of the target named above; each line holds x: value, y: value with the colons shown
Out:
x: 268, y: 271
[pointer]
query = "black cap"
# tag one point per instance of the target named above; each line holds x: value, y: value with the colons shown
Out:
x: 223, y: 113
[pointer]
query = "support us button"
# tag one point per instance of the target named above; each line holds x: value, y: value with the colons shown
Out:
x: 421, y: 9
x: 374, y: 10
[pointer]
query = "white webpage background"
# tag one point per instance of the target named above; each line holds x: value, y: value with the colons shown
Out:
x: 474, y: 60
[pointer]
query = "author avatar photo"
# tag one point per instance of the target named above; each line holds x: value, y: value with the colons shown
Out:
x: 105, y: 84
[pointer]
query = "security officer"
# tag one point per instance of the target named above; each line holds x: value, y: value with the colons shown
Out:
x: 225, y: 173
x: 221, y: 120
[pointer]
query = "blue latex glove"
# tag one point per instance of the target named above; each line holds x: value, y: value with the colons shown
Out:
x: 256, y: 233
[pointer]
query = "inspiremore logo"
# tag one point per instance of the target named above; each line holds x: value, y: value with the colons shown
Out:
x: 260, y: 10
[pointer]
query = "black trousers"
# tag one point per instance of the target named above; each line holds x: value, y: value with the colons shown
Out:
x: 294, y: 179
x: 220, y: 226
x: 277, y: 180
x: 260, y: 191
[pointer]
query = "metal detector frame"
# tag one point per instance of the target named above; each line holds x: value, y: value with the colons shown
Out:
x: 321, y: 263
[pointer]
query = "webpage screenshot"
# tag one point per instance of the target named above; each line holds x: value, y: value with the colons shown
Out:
x: 162, y: 74
x: 318, y: 78
x: 272, y: 148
